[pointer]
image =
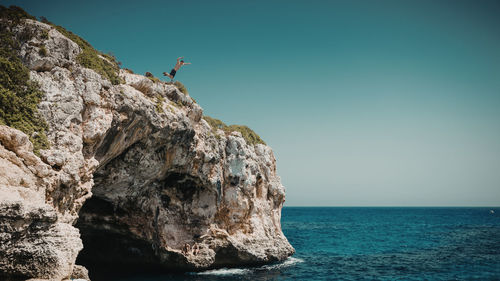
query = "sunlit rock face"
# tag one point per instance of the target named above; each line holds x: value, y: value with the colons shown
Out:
x: 136, y: 172
x: 181, y: 198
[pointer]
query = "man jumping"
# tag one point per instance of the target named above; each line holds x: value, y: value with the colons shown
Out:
x: 176, y: 68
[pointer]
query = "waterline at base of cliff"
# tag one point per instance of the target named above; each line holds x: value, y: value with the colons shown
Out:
x: 377, y: 244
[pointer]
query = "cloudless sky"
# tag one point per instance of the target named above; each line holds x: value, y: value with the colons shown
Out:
x: 365, y: 103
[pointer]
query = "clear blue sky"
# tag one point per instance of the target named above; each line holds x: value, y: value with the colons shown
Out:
x: 376, y: 103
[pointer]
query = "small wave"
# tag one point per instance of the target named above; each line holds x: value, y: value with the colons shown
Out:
x: 225, y: 271
x: 288, y: 262
x: 241, y: 271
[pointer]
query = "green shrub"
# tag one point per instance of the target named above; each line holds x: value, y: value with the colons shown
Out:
x: 248, y: 134
x: 181, y: 87
x: 107, y: 65
x: 104, y: 64
x: 154, y: 79
x: 151, y: 77
x: 19, y: 97
x: 14, y: 13
x: 215, y: 123
x: 45, y: 20
x: 44, y: 34
x: 26, y: 34
x: 42, y: 51
x: 111, y: 58
x: 159, y: 103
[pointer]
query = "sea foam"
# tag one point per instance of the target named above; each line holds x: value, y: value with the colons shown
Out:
x: 241, y: 271
x: 225, y: 271
x: 288, y: 262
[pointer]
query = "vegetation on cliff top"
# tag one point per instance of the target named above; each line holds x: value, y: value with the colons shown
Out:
x: 248, y: 134
x: 181, y: 87
x: 19, y: 97
x: 104, y: 64
x: 14, y: 13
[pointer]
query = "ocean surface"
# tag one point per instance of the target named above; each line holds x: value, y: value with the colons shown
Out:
x: 356, y: 243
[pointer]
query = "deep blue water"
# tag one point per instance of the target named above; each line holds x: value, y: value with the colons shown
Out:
x: 379, y: 244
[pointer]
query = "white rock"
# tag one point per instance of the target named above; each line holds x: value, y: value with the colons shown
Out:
x: 161, y: 180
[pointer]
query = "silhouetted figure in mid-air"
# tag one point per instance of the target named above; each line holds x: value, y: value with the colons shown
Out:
x: 176, y: 68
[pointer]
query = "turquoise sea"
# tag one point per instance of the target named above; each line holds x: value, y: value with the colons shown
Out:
x: 365, y: 243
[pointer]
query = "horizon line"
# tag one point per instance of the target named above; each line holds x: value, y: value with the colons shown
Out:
x: 393, y: 206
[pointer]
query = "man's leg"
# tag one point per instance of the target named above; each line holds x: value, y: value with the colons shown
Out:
x: 167, y: 74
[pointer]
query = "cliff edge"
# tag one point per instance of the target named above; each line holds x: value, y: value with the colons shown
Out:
x: 131, y: 174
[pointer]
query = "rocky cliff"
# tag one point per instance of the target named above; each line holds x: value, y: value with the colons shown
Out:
x: 132, y: 175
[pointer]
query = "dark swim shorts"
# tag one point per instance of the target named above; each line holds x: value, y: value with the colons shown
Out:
x: 173, y: 72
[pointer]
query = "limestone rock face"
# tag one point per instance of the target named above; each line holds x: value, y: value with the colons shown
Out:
x: 146, y: 180
x: 33, y: 242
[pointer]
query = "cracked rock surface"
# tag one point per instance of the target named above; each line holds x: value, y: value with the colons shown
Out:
x: 143, y: 181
